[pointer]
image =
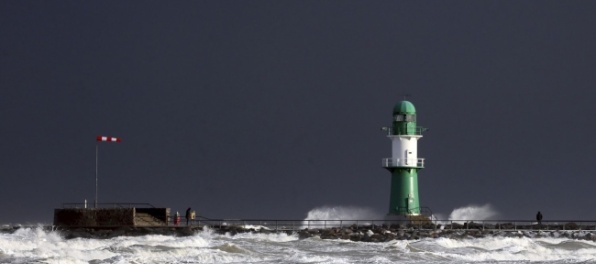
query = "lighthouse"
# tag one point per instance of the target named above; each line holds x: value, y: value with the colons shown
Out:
x: 404, y: 163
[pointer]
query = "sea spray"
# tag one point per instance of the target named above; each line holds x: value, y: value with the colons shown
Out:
x: 343, y: 213
x: 326, y: 214
x: 473, y: 212
x: 321, y: 216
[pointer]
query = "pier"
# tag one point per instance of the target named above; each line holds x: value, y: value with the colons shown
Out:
x: 135, y: 219
x: 354, y: 230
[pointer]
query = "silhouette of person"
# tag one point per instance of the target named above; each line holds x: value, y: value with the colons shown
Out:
x: 539, y: 217
x: 187, y: 215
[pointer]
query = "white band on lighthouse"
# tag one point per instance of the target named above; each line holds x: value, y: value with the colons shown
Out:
x: 405, y: 150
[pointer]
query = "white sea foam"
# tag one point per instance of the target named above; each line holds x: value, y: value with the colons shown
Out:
x: 271, y: 237
x: 524, y: 249
x: 255, y: 227
x: 33, y: 245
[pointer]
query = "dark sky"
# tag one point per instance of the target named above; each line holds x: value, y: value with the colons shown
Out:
x: 268, y: 109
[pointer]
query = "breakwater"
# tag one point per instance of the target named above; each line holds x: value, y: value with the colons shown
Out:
x: 365, y: 231
x: 381, y: 234
x: 385, y: 232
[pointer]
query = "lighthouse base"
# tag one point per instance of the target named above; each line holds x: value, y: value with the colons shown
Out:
x: 424, y: 216
x: 413, y: 219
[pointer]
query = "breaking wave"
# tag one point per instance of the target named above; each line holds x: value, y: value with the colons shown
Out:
x: 343, y: 213
x: 465, y: 213
x: 34, y: 245
x: 473, y: 212
x: 324, y: 216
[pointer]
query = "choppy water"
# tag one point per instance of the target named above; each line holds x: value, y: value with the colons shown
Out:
x: 33, y: 245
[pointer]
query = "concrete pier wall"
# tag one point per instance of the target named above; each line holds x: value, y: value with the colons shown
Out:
x: 110, y: 217
x: 152, y: 216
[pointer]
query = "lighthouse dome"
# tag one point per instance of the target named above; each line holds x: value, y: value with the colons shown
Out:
x: 404, y: 107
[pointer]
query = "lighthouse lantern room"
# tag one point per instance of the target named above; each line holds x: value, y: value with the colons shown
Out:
x: 404, y: 163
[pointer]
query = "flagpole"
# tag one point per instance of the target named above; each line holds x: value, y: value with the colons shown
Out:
x: 101, y: 139
x: 96, y: 161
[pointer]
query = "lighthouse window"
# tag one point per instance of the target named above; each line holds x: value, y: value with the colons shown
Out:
x: 407, y: 118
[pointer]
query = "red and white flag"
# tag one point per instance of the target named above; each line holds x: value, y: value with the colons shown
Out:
x: 108, y: 139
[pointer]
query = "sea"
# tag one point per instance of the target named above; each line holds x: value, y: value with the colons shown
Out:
x: 35, y: 245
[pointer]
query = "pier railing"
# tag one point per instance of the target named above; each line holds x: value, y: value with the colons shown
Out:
x: 296, y: 225
x: 108, y: 205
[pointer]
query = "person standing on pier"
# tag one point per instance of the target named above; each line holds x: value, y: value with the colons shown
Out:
x: 188, y: 216
x: 539, y: 218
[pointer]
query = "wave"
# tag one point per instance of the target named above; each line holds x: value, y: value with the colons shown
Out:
x: 343, y: 213
x: 490, y: 249
x: 473, y: 212
x: 36, y: 245
x: 269, y: 237
x: 461, y: 214
x: 332, y: 214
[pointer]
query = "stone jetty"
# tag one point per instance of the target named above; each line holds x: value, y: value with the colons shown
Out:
x: 362, y: 233
x: 384, y: 233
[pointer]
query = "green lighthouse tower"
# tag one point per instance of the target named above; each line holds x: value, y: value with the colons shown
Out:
x: 404, y: 163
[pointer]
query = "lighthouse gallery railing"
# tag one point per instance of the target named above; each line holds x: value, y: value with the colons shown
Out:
x: 397, y: 162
